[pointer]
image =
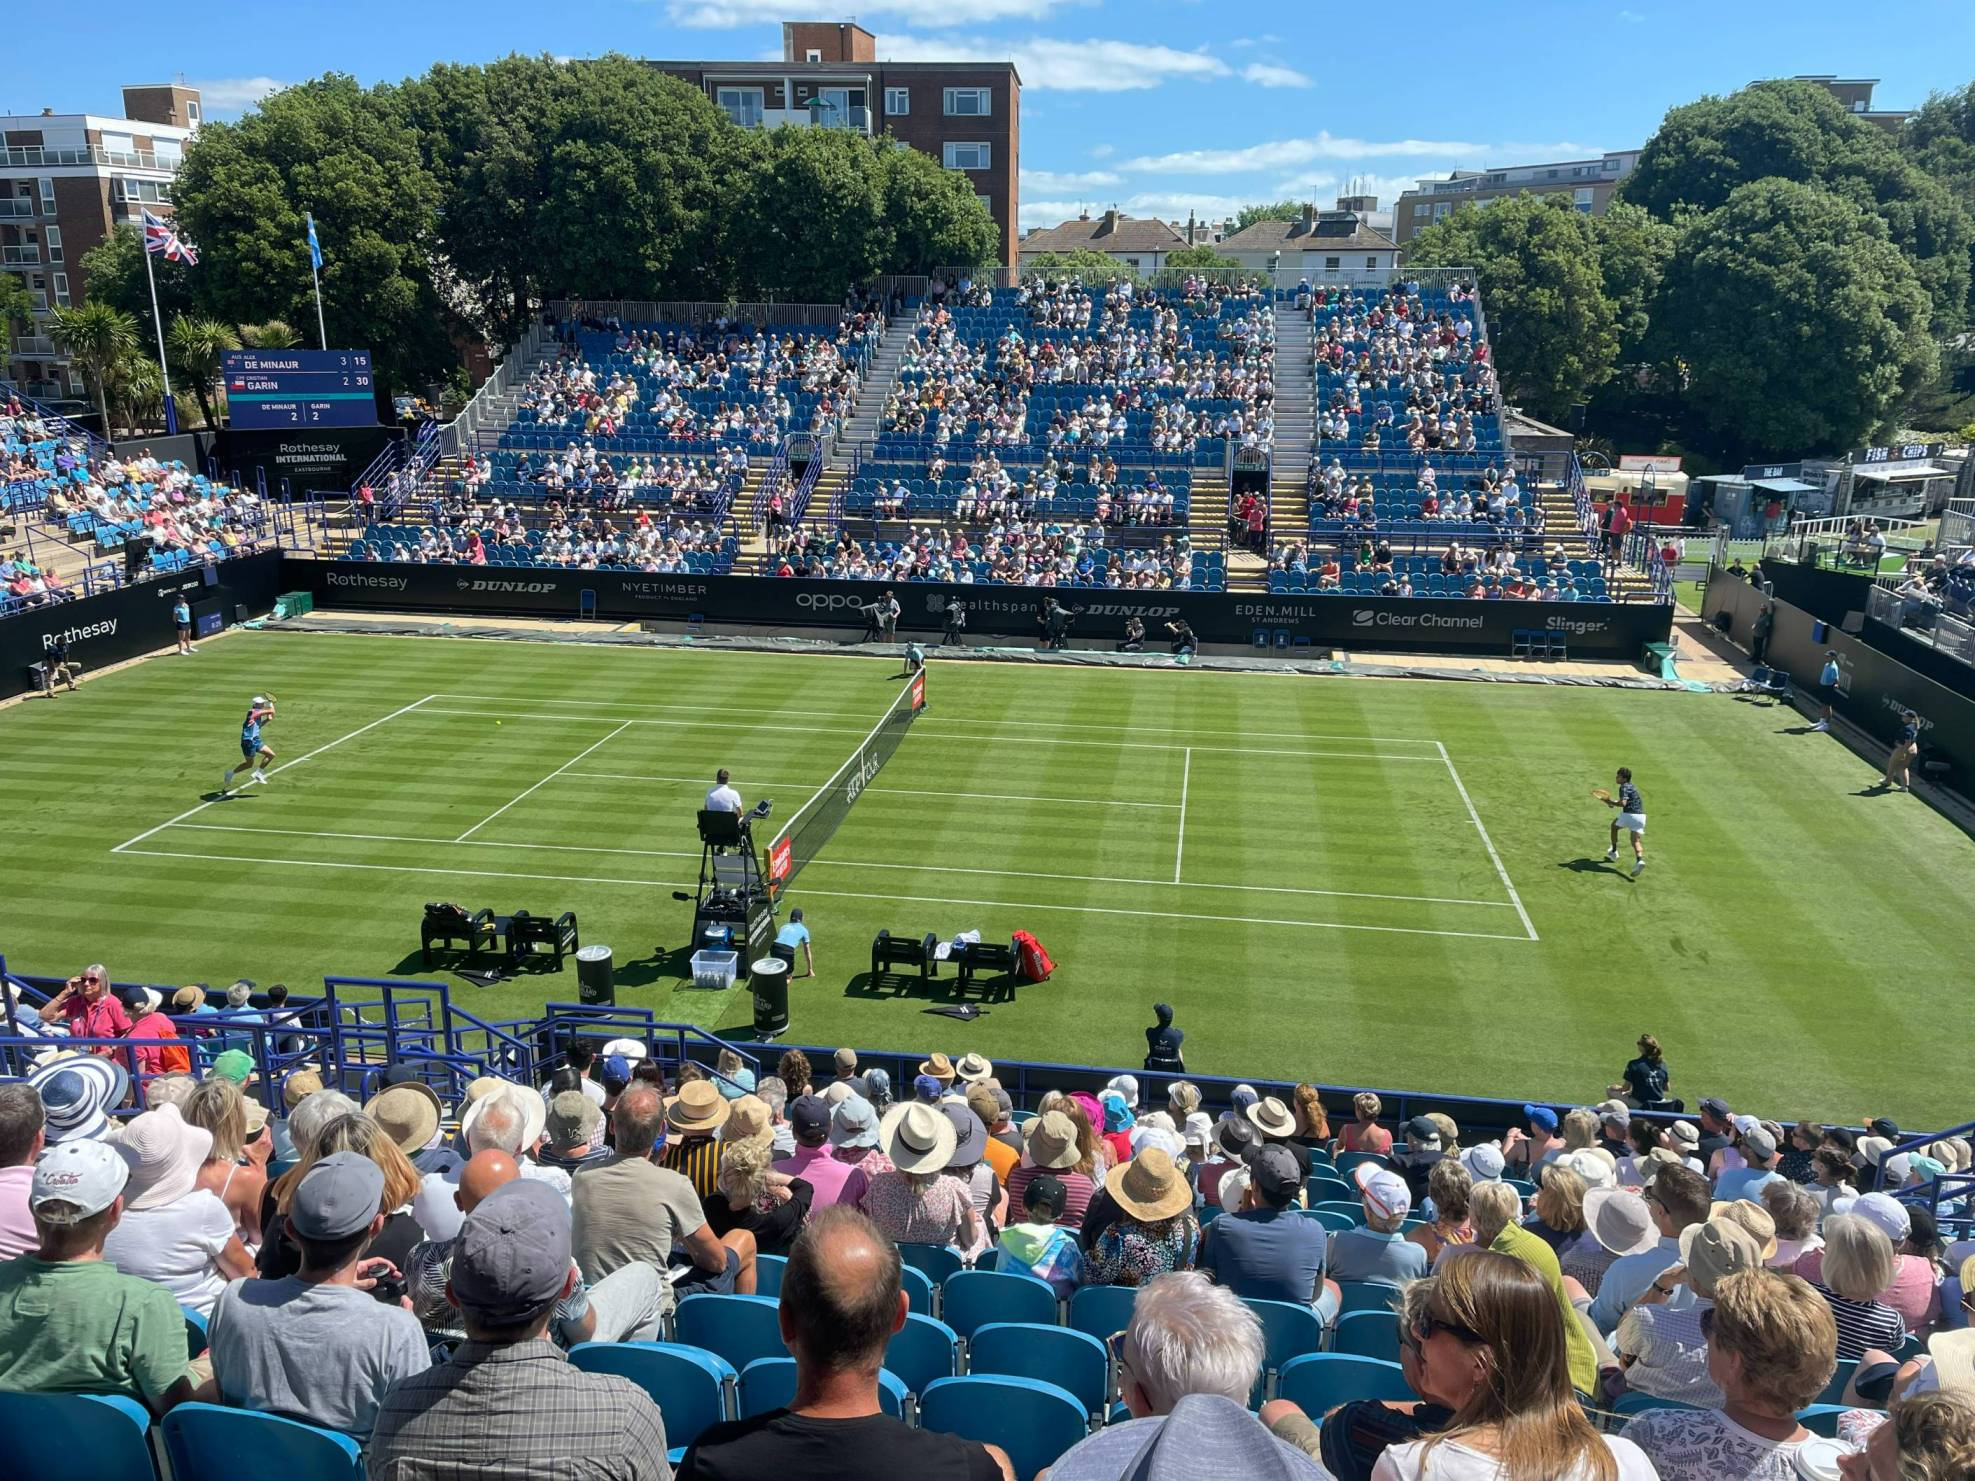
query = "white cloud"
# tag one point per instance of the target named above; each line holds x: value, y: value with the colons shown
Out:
x: 1279, y: 154
x: 724, y: 14
x: 1047, y: 64
x: 1055, y: 182
x: 1102, y: 151
x: 1631, y: 17
x: 234, y: 94
x: 1270, y: 74
x: 1166, y: 205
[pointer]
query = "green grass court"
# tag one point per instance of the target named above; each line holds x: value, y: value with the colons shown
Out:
x: 1347, y: 880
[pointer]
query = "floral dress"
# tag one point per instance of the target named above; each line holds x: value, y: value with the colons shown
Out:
x: 1130, y: 1253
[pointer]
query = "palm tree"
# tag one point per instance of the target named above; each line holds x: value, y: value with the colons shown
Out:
x: 195, y: 347
x: 93, y: 336
x: 138, y: 388
x: 273, y: 334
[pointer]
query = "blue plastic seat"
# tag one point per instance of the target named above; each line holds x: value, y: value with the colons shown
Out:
x: 921, y: 1351
x: 1074, y: 1361
x: 737, y: 1328
x: 970, y: 1299
x: 1319, y: 1382
x: 1367, y: 1334
x: 204, y: 1440
x: 1321, y: 1189
x: 1841, y: 1377
x: 1034, y: 1422
x: 1102, y: 1310
x: 1355, y: 1212
x: 1822, y: 1419
x: 920, y: 1292
x: 65, y: 1437
x: 689, y: 1384
x: 1289, y: 1329
x: 1366, y: 1295
x: 768, y: 1274
x: 769, y: 1383
x: 1637, y: 1403
x: 937, y: 1261
x: 1348, y: 1160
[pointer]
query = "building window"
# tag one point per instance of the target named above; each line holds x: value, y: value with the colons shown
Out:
x: 1371, y: 264
x: 1422, y: 208
x: 742, y: 104
x: 192, y: 113
x: 47, y: 195
x: 61, y: 290
x: 1583, y: 197
x: 147, y: 191
x: 967, y: 156
x: 812, y: 55
x: 54, y: 244
x: 1332, y: 264
x: 898, y: 101
x: 968, y: 102
x: 987, y: 203
x: 1440, y: 211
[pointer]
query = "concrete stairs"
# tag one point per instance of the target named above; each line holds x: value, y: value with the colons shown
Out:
x: 878, y: 378
x: 1296, y: 397
x: 1623, y: 582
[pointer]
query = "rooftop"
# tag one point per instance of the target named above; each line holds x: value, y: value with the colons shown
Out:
x: 1314, y: 231
x: 1111, y: 232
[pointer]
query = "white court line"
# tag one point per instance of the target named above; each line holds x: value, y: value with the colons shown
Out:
x: 942, y: 719
x: 661, y: 853
x: 190, y: 811
x: 629, y: 776
x: 544, y: 781
x: 667, y: 884
x: 1179, y: 854
x: 731, y: 731
x: 1488, y: 843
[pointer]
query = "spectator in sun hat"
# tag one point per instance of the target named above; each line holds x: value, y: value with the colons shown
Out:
x: 1664, y: 1350
x: 1758, y: 1150
x: 574, y: 1129
x: 173, y: 1231
x: 315, y: 1345
x: 1913, y: 1289
x: 632, y: 1050
x: 1484, y: 1162
x: 972, y: 1069
x: 1677, y: 1199
x: 1126, y: 1086
x: 1233, y: 1141
x: 1267, y: 1251
x: 409, y: 1111
x: 512, y: 1118
x: 1117, y: 1126
x: 694, y: 1117
x: 508, y: 1402
x: 854, y: 1137
x: 1871, y: 1151
x: 77, y: 1091
x: 1052, y: 1147
x: 1154, y: 1231
x: 1378, y: 1251
x: 912, y: 1203
x: 70, y: 1320
x: 1004, y: 1145
x: 1272, y: 1117
x: 1617, y: 1223
x: 939, y: 1067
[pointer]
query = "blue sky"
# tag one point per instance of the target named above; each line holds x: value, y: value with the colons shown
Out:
x: 1156, y: 106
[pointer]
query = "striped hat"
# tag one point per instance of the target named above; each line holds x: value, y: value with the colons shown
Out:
x: 77, y: 1092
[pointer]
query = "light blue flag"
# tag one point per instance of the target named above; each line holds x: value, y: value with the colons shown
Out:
x: 315, y: 247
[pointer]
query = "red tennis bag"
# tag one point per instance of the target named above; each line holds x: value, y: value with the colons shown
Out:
x: 1032, y: 963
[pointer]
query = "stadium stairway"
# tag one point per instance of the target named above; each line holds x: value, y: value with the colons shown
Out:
x: 1207, y: 527
x: 1626, y: 583
x: 878, y: 379
x: 1296, y: 398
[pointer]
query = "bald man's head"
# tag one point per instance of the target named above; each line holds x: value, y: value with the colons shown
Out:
x: 638, y: 1119
x: 841, y: 1295
x: 483, y: 1173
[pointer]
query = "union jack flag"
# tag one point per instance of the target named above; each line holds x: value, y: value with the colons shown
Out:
x: 161, y: 236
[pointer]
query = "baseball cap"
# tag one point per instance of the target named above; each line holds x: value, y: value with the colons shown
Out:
x: 1744, y: 1124
x: 88, y: 1174
x: 928, y: 1088
x: 236, y: 1065
x: 1483, y: 1162
x: 337, y: 1197
x: 1541, y: 1116
x: 1385, y: 1193
x: 1884, y: 1126
x: 809, y: 1116
x: 1759, y: 1143
x: 615, y: 1072
x: 1886, y: 1213
x: 1424, y: 1130
x: 1272, y: 1169
x: 1716, y: 1107
x: 511, y: 1257
x: 1047, y: 1193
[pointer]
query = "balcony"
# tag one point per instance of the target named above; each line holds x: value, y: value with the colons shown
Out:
x: 20, y: 257
x: 36, y: 346
x: 18, y: 208
x: 856, y: 118
x: 32, y: 155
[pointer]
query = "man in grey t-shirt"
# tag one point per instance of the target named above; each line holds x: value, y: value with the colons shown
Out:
x: 318, y: 1346
x: 628, y: 1208
x: 1378, y: 1252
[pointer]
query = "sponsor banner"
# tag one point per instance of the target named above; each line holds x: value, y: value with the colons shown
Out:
x: 115, y: 625
x: 780, y: 859
x: 919, y: 690
x: 321, y: 459
x: 1243, y: 619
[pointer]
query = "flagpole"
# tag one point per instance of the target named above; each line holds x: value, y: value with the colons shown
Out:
x: 315, y: 276
x: 164, y: 370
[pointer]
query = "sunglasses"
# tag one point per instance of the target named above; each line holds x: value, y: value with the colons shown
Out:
x: 90, y: 977
x: 1707, y: 1321
x: 1426, y: 1326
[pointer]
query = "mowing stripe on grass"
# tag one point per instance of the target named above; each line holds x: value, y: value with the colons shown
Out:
x: 662, y: 853
x: 1488, y: 843
x: 672, y: 884
x: 544, y: 781
x: 272, y: 770
x: 638, y: 776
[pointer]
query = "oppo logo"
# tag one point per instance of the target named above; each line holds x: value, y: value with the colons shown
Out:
x: 827, y: 601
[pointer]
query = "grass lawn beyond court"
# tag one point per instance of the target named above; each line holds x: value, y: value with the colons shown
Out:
x: 1382, y: 882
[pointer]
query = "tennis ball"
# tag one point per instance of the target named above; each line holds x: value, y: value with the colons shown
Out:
x: 497, y: 722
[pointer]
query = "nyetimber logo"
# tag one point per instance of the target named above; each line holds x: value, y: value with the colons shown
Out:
x: 106, y: 628
x: 366, y: 583
x: 652, y: 590
x: 481, y: 584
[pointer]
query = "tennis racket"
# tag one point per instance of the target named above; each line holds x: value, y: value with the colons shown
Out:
x: 1601, y: 794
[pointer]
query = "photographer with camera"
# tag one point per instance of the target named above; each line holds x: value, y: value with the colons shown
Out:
x: 956, y: 624
x: 1056, y: 620
x: 1184, y: 642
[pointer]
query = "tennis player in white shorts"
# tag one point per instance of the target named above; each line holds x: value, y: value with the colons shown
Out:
x: 1631, y: 818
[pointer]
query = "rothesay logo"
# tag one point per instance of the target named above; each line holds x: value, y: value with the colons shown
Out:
x: 72, y: 635
x: 359, y: 581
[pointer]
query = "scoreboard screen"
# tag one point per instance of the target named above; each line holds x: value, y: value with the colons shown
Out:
x: 279, y: 389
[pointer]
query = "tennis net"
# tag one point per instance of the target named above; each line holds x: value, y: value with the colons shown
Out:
x: 816, y: 822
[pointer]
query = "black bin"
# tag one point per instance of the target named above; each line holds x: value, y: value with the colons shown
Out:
x: 770, y: 981
x: 596, y: 977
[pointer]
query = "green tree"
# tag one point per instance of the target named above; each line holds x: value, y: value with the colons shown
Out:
x: 345, y: 153
x: 1201, y: 259
x: 934, y: 217
x: 1940, y: 139
x: 1269, y: 211
x: 270, y: 334
x: 113, y: 273
x: 16, y: 306
x: 94, y: 336
x: 1800, y: 323
x: 1554, y: 327
x: 810, y: 252
x: 1092, y: 267
x: 1632, y: 252
x: 194, y: 346
x: 137, y: 390
x: 1788, y: 130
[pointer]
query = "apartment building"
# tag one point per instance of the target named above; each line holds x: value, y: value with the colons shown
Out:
x: 66, y: 181
x: 1591, y: 183
x: 1854, y: 95
x: 967, y: 115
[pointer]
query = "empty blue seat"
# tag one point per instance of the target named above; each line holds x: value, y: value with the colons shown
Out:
x: 769, y: 1383
x: 922, y: 1351
x: 209, y: 1440
x: 689, y: 1384
x: 1327, y: 1189
x: 768, y: 1274
x: 1102, y: 1310
x: 937, y: 1261
x: 1366, y: 1295
x: 1074, y: 1361
x: 1034, y: 1422
x: 1289, y: 1329
x: 970, y: 1299
x: 1319, y: 1382
x: 66, y: 1437
x: 738, y: 1328
x: 1355, y: 1212
x: 919, y: 1291
x: 1367, y: 1334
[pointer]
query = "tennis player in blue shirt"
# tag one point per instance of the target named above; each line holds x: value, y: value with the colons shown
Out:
x: 1631, y: 817
x: 255, y: 752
